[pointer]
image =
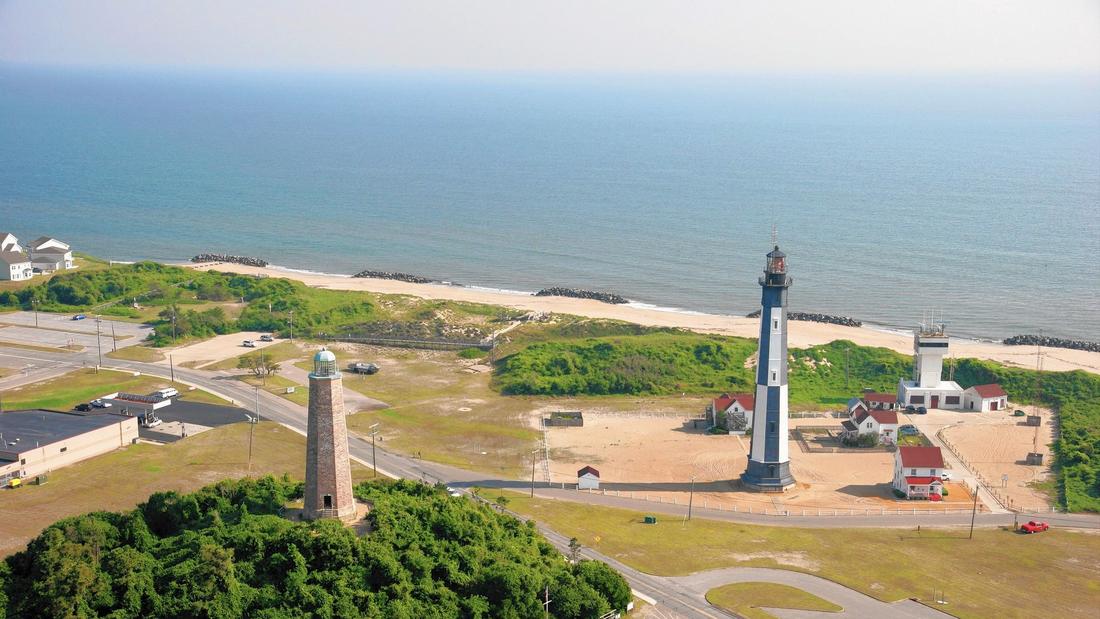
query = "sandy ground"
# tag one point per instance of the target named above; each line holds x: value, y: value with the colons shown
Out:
x: 801, y: 333
x: 655, y: 456
x: 995, y: 444
x: 216, y: 348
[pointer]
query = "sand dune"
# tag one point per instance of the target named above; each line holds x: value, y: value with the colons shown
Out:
x: 801, y: 333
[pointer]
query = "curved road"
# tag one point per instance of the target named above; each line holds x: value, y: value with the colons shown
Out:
x: 675, y: 596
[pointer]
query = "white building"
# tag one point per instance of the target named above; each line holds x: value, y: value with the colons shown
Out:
x: 49, y: 254
x: 882, y: 423
x: 588, y: 478
x: 918, y: 471
x: 15, y: 266
x: 38, y: 441
x: 927, y: 387
x: 736, y: 408
x: 985, y: 398
x: 8, y: 242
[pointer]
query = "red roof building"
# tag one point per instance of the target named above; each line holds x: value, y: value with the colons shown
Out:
x: 918, y: 471
x: 991, y: 390
x: 586, y: 470
x: 985, y: 398
x: 920, y: 457
x: 724, y: 401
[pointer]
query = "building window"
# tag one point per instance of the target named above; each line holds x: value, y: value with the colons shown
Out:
x: 771, y: 427
x: 773, y: 375
x: 775, y: 324
x: 912, y: 471
x: 951, y: 399
x: 23, y: 461
x: 64, y: 449
x: 916, y: 399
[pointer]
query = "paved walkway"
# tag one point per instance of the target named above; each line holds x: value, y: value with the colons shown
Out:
x: 353, y: 400
x: 855, y: 604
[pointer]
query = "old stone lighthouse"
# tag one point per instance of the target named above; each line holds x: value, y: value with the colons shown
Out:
x: 328, y: 469
x: 769, y: 467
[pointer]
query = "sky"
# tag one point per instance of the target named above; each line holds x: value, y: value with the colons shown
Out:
x: 624, y: 36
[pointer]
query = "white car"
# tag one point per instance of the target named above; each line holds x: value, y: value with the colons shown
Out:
x: 98, y: 403
x: 453, y: 492
x: 248, y: 344
x: 945, y: 476
x: 167, y: 392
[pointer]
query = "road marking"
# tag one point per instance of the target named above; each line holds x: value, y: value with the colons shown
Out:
x: 643, y: 597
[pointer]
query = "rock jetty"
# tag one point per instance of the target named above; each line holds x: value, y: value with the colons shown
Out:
x: 245, y: 260
x: 843, y: 321
x: 1051, y: 342
x: 401, y: 277
x: 577, y: 293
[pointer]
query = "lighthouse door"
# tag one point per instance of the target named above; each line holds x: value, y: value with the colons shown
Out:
x: 935, y: 401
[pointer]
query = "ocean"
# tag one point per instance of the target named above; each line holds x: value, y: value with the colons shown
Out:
x: 976, y: 197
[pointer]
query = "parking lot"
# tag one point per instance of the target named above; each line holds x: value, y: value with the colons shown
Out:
x: 183, y: 419
x: 56, y: 331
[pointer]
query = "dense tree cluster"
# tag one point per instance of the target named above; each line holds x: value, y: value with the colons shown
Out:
x: 225, y: 551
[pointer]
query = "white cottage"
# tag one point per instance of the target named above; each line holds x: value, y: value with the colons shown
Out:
x: 735, y: 408
x: 8, y: 242
x: 14, y: 266
x: 588, y: 478
x: 49, y: 254
x: 918, y: 471
x: 985, y: 398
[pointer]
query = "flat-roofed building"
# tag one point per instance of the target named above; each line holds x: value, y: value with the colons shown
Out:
x: 37, y: 441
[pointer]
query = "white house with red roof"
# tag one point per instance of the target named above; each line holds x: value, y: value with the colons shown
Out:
x: 731, y: 411
x: 985, y: 398
x: 882, y: 423
x: 917, y: 472
x: 872, y: 400
x: 588, y: 478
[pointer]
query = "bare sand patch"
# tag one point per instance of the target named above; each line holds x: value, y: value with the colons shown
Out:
x: 216, y: 349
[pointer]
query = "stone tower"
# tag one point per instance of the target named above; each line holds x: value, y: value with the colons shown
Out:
x: 328, y: 469
x: 769, y: 468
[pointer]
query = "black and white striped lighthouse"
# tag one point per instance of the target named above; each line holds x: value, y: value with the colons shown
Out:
x: 769, y: 466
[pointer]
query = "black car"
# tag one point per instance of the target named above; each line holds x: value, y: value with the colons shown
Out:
x: 910, y: 409
x: 922, y: 410
x: 85, y: 407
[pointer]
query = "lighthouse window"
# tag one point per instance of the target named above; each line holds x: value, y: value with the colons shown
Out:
x: 771, y: 427
x: 773, y: 375
x: 775, y: 324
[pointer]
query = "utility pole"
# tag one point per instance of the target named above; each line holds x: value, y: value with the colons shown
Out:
x: 373, y: 454
x: 114, y: 342
x: 34, y: 304
x: 533, y: 472
x: 292, y: 325
x: 263, y: 368
x: 172, y: 367
x: 974, y: 510
x: 98, y: 341
x: 252, y: 430
x: 691, y: 496
x: 546, y: 603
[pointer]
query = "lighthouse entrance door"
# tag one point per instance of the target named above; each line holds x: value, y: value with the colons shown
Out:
x: 935, y: 401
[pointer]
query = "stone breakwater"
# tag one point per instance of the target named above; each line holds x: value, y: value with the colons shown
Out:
x: 577, y: 293
x: 826, y: 318
x: 401, y: 277
x: 245, y: 260
x: 1051, y: 342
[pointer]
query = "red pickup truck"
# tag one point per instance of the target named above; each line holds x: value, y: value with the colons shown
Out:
x: 1034, y: 527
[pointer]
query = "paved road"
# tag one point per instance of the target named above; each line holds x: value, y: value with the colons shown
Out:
x: 670, y: 594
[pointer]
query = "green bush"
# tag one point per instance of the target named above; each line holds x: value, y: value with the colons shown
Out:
x: 225, y: 551
x: 471, y: 353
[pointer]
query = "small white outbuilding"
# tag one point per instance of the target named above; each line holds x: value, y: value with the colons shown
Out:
x: 588, y: 478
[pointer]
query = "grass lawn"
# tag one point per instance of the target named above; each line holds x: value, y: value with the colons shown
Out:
x: 277, y: 384
x: 72, y: 348
x: 997, y: 574
x: 123, y: 478
x: 451, y: 415
x: 137, y: 353
x: 747, y: 598
x: 276, y: 353
x: 68, y: 390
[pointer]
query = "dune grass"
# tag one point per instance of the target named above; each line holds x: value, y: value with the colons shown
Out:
x: 999, y: 573
x: 748, y: 599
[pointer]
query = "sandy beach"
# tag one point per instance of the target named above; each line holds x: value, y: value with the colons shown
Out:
x: 801, y: 333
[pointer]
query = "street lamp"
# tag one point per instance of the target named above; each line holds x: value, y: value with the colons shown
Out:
x: 373, y: 452
x: 252, y: 421
x: 691, y: 496
x: 34, y: 304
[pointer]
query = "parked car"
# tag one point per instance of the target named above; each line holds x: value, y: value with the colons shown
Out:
x: 945, y: 475
x: 98, y: 403
x: 79, y: 317
x: 1033, y: 526
x: 922, y: 410
x: 167, y: 392
x: 910, y: 409
x: 908, y: 430
x: 84, y: 407
x: 267, y: 338
x: 453, y: 492
x: 363, y: 368
x: 248, y: 344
